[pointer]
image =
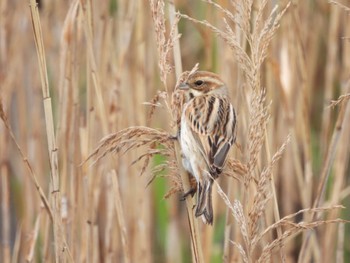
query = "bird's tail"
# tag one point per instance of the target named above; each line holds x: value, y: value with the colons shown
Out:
x: 204, y: 203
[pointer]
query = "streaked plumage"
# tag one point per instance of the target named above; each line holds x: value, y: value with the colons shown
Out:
x: 207, y: 131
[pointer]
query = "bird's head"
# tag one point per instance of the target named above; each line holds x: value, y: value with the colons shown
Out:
x: 201, y: 83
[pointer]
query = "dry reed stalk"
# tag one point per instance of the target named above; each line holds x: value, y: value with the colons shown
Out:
x: 140, y: 214
x: 276, y: 211
x: 67, y: 124
x: 127, y: 77
x: 302, y: 168
x: 302, y: 100
x: 107, y: 205
x: 67, y: 96
x: 60, y: 245
x: 234, y: 167
x: 91, y: 186
x: 120, y: 215
x: 16, y: 246
x: 33, y: 239
x: 88, y: 31
x: 330, y: 73
x: 343, y: 116
x: 92, y: 194
x: 5, y: 202
x: 299, y: 69
x: 27, y: 163
x: 34, y: 179
x: 340, y: 242
x: 340, y: 167
x: 307, y: 150
x: 196, y: 245
x: 3, y: 32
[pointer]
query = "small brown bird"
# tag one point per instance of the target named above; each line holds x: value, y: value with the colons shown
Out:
x: 207, y: 131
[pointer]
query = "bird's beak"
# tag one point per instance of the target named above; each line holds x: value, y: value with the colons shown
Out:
x: 183, y: 86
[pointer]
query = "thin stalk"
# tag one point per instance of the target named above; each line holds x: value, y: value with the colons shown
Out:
x: 193, y: 223
x: 121, y: 217
x: 93, y: 68
x: 5, y: 209
x: 275, y: 201
x: 32, y: 173
x: 51, y: 141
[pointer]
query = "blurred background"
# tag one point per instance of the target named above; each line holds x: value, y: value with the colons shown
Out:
x: 102, y: 66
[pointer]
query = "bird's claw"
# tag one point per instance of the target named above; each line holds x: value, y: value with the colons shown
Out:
x: 191, y: 192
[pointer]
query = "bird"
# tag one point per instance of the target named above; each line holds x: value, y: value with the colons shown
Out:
x: 206, y: 132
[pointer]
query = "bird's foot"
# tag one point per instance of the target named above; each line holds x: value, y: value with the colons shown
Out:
x: 192, y: 191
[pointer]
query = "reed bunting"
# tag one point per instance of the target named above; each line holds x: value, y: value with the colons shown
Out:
x: 206, y: 133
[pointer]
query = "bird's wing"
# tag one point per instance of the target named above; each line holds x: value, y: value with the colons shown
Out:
x: 212, y: 121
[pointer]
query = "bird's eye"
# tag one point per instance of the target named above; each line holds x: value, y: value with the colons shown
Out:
x: 199, y: 82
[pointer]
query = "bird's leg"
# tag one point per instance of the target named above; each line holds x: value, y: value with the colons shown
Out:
x: 193, y: 189
x: 173, y: 137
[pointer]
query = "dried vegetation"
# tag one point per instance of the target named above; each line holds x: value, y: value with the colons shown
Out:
x: 108, y: 69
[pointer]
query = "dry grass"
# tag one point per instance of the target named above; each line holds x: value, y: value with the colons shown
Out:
x: 108, y: 69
